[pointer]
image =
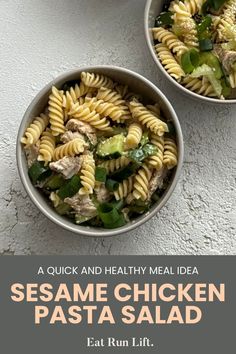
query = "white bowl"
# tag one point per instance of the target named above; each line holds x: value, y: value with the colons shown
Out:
x: 152, y: 10
x: 138, y: 84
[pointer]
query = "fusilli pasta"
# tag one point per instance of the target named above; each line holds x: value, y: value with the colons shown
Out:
x: 200, y: 86
x: 170, y: 153
x: 155, y: 109
x: 156, y: 161
x: 72, y: 148
x: 134, y: 136
x: 124, y: 188
x: 169, y: 62
x: 146, y: 118
x: 84, y: 114
x: 115, y: 98
x: 170, y: 40
x: 34, y: 131
x: 87, y: 175
x: 115, y: 164
x: 47, y: 146
x: 105, y: 109
x: 141, y: 182
x: 96, y: 80
x: 56, y: 116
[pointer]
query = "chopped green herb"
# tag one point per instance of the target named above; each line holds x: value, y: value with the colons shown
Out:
x: 205, y: 45
x: 70, y: 188
x: 111, y: 185
x: 100, y: 174
x: 125, y: 172
x: 38, y: 172
x: 55, y: 182
x: 190, y: 60
x: 164, y: 19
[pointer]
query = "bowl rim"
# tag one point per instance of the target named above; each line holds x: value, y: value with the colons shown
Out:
x: 170, y: 78
x: 68, y: 225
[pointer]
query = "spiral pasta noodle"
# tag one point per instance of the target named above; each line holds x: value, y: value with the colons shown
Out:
x: 116, y: 99
x: 84, y: 114
x: 56, y: 116
x: 96, y: 80
x: 47, y: 146
x: 124, y: 188
x: 72, y: 148
x: 170, y: 40
x: 146, y: 118
x: 134, y: 136
x: 169, y: 62
x: 122, y: 90
x: 200, y: 86
x: 232, y: 79
x: 115, y: 164
x: 105, y: 109
x: 80, y: 90
x: 87, y: 175
x: 141, y: 182
x: 170, y: 158
x: 226, y: 19
x: 156, y: 161
x: 187, y: 8
x: 155, y: 109
x: 34, y: 131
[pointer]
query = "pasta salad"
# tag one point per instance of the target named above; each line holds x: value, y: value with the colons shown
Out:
x: 98, y: 154
x: 195, y: 40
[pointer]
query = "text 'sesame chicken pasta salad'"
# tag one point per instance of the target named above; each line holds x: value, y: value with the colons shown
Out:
x: 196, y: 44
x: 98, y: 153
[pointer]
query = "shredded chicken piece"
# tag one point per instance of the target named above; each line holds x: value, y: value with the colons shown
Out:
x: 102, y: 193
x: 156, y: 181
x: 82, y: 204
x: 69, y: 135
x: 76, y: 125
x: 31, y: 152
x: 227, y: 57
x: 68, y: 166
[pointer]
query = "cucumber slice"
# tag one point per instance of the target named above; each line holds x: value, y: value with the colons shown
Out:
x: 63, y: 209
x: 79, y: 219
x: 211, y: 60
x: 111, y: 148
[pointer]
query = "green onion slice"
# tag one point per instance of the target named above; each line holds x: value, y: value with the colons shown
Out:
x: 111, y: 185
x: 70, y: 188
x: 108, y: 213
x: 120, y: 222
x: 125, y: 172
x: 164, y: 19
x: 100, y: 174
x: 190, y: 60
x: 205, y: 45
x: 39, y: 172
x: 216, y: 4
x: 204, y: 24
x: 55, y: 182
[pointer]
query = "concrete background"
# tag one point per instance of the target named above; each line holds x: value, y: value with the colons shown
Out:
x: 41, y: 39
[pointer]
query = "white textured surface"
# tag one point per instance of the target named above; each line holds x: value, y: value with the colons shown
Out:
x: 41, y: 39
